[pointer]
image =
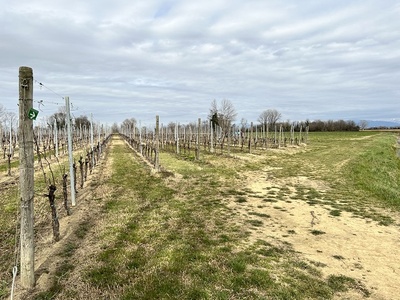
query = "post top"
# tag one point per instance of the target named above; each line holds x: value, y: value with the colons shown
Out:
x: 25, y: 71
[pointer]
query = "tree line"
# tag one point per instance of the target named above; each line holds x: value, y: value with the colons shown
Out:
x: 223, y: 115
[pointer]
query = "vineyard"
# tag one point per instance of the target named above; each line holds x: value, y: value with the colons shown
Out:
x: 203, y: 210
x: 270, y: 223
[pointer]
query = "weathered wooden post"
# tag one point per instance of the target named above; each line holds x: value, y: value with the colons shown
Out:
x: 211, y: 137
x: 26, y: 183
x: 56, y: 137
x: 198, y: 140
x: 177, y: 137
x: 228, y: 132
x: 251, y: 136
x: 157, y: 145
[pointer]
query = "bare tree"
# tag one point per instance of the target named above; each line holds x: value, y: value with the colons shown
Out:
x: 363, y: 124
x: 115, y: 128
x: 269, y: 117
x: 223, y: 116
x: 2, y: 112
x: 60, y: 118
x: 243, y: 124
x: 82, y: 121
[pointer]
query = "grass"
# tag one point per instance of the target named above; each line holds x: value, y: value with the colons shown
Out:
x: 174, y: 237
x: 317, y: 232
x: 335, y: 212
x: 167, y: 241
x: 376, y: 172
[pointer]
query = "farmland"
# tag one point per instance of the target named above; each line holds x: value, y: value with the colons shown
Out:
x: 315, y: 221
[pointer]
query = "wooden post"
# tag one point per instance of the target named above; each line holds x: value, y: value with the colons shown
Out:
x: 56, y: 137
x: 157, y: 146
x: 228, y: 132
x: 211, y: 137
x: 177, y: 137
x: 250, y: 136
x: 91, y: 139
x: 26, y: 172
x: 198, y: 139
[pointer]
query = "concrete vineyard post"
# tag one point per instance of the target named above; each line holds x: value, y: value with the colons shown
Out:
x: 71, y: 157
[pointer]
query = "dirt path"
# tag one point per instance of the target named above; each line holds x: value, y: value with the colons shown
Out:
x: 341, y: 245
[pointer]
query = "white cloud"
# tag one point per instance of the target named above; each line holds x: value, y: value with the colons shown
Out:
x: 309, y: 59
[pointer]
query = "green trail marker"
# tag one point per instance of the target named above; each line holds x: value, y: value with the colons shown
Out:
x: 32, y: 114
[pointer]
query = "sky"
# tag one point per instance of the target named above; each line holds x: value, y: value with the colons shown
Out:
x: 121, y: 59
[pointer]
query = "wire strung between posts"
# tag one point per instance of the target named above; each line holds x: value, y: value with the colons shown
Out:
x: 42, y: 85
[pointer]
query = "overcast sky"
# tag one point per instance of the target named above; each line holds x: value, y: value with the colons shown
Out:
x: 309, y: 59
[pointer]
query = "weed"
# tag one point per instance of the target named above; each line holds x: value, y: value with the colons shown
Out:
x: 241, y: 199
x: 68, y: 250
x: 270, y: 200
x: 338, y: 257
x: 261, y: 215
x: 335, y: 212
x: 256, y: 223
x: 83, y: 229
x: 317, y: 232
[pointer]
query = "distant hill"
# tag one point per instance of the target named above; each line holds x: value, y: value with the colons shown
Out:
x: 374, y: 124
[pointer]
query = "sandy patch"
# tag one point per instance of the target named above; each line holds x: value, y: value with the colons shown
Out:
x: 346, y: 245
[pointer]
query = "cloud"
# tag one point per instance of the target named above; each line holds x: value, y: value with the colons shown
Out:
x: 120, y: 59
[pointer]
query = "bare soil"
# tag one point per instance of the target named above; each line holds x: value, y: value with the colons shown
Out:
x: 345, y: 244
x: 87, y: 209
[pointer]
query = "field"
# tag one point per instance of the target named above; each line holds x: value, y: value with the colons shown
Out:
x: 316, y: 221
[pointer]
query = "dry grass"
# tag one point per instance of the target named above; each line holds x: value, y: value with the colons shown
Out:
x: 210, y: 229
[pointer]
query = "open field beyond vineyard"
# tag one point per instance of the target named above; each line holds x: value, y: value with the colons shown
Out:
x: 315, y: 221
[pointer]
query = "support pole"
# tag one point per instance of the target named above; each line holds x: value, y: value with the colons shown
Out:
x: 56, y: 137
x: 211, y: 137
x: 157, y: 145
x: 198, y: 139
x: 70, y: 155
x: 26, y: 172
x: 91, y: 138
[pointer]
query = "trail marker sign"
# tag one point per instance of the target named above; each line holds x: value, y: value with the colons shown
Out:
x: 32, y: 114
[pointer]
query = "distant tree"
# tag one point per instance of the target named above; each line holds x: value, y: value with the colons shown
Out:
x: 363, y: 124
x: 223, y: 115
x: 60, y: 117
x: 243, y: 125
x: 171, y: 126
x: 2, y: 112
x: 82, y: 121
x: 331, y: 125
x: 269, y: 117
x: 115, y: 128
x: 129, y: 123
